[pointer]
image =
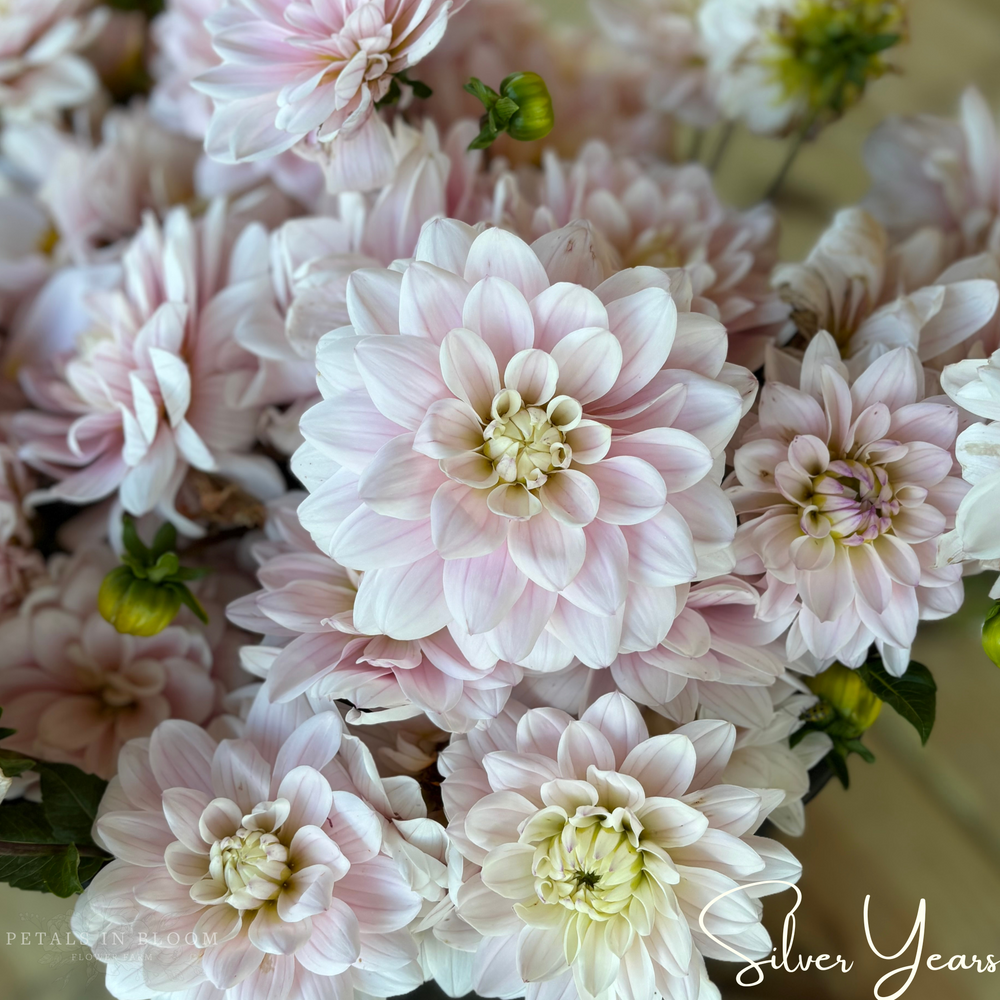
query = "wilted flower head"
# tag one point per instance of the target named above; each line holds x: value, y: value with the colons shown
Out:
x: 662, y: 216
x: 75, y: 689
x: 260, y: 857
x: 929, y: 171
x: 41, y: 72
x: 158, y: 384
x: 600, y: 848
x: 843, y: 488
x: 551, y: 460
x: 291, y: 69
x: 872, y: 296
x: 784, y: 64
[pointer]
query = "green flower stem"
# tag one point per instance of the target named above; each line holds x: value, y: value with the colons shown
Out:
x: 723, y: 144
x: 790, y: 157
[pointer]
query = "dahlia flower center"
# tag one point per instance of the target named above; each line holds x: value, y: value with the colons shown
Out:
x: 852, y: 501
x: 122, y: 685
x: 251, y: 866
x: 527, y: 443
x: 252, y: 862
x: 592, y: 865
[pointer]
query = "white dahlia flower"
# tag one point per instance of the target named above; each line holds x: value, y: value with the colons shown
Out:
x: 600, y: 848
x: 872, y: 296
x: 843, y: 488
x: 158, y: 384
x: 246, y: 868
x: 929, y: 171
x: 294, y: 68
x: 546, y: 478
x: 41, y: 71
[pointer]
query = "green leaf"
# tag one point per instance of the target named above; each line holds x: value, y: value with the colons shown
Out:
x: 913, y: 696
x: 839, y: 766
x: 23, y: 822
x: 56, y: 872
x: 481, y: 92
x: 421, y: 89
x: 856, y: 746
x: 70, y: 798
x: 165, y: 540
x: 4, y: 733
x: 134, y: 545
x: 13, y: 764
x: 188, y: 599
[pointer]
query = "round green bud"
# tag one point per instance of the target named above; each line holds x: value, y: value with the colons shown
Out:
x: 534, y: 117
x: 991, y: 634
x: 134, y: 606
x: 844, y: 689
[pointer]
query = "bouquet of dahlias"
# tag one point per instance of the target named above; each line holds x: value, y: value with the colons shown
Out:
x: 439, y: 540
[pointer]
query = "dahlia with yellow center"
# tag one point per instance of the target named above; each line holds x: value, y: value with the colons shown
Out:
x: 593, y: 851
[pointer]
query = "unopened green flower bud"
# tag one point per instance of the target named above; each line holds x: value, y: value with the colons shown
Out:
x: 844, y: 689
x: 991, y: 634
x: 523, y: 108
x: 534, y: 117
x: 135, y: 606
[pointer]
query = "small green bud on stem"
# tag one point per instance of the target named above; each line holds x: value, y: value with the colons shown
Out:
x: 144, y: 594
x: 991, y: 634
x: 522, y: 109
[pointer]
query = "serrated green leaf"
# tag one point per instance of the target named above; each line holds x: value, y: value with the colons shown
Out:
x: 913, y: 696
x: 14, y: 764
x: 70, y: 798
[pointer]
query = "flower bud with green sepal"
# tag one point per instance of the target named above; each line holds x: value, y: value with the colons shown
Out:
x: 522, y: 109
x: 991, y: 634
x: 144, y: 595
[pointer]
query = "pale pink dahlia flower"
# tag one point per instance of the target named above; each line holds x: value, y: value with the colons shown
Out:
x: 158, y: 383
x: 975, y: 386
x: 295, y: 67
x: 929, y: 171
x: 41, y: 71
x: 843, y: 489
x: 662, y: 216
x: 247, y: 868
x: 25, y: 238
x: 664, y: 34
x: 546, y: 478
x: 310, y: 599
x: 599, y: 848
x: 97, y: 194
x: 872, y: 296
x: 75, y: 689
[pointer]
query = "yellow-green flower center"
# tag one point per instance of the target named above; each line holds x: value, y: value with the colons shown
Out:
x: 526, y: 443
x: 254, y: 866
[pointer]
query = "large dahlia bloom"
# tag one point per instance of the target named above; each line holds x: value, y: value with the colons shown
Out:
x: 41, y: 72
x: 929, y: 171
x: 158, y: 384
x: 600, y: 848
x: 843, y: 489
x: 242, y: 869
x: 309, y: 599
x: 975, y: 386
x: 291, y: 68
x: 662, y: 216
x: 75, y: 689
x: 872, y: 296
x: 549, y: 467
